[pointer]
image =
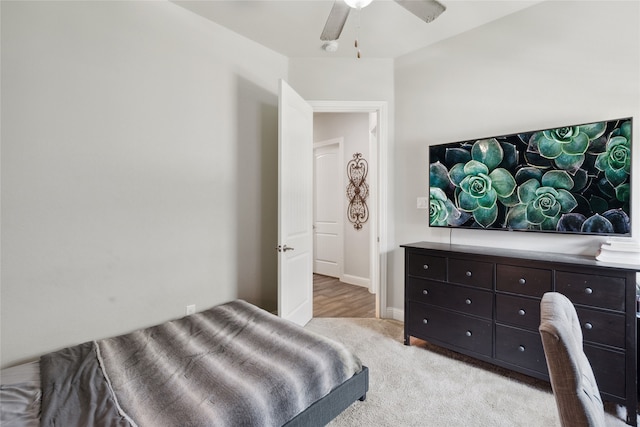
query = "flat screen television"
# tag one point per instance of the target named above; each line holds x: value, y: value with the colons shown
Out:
x: 572, y: 179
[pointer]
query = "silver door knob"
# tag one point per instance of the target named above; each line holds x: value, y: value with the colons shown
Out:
x: 283, y: 248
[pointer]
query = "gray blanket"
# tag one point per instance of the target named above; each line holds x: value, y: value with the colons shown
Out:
x: 232, y: 365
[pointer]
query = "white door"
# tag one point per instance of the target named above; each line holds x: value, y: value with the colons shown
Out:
x: 327, y: 209
x: 295, y: 206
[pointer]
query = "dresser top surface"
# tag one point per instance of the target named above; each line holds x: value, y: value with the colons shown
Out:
x: 521, y: 254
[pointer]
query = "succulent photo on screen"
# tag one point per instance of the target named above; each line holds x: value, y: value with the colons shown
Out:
x: 572, y: 179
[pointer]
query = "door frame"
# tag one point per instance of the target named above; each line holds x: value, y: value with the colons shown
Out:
x: 378, y: 166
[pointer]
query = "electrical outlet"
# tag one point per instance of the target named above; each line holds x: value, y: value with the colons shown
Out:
x: 191, y: 309
x: 422, y: 203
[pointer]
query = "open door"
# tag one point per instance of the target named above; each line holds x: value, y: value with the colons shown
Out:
x: 295, y: 206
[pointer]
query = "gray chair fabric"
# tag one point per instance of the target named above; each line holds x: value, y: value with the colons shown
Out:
x: 572, y: 380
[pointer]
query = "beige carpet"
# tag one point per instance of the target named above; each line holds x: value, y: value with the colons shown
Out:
x: 424, y: 385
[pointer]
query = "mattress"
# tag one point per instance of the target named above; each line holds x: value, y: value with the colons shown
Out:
x: 233, y: 364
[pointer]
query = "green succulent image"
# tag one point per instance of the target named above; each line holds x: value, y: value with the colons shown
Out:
x: 543, y: 202
x: 441, y: 209
x: 573, y: 179
x: 480, y: 183
x: 566, y: 146
x: 615, y: 162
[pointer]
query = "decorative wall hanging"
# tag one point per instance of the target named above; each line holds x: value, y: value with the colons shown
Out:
x: 357, y: 191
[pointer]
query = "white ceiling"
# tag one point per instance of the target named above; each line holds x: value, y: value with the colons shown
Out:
x: 387, y: 30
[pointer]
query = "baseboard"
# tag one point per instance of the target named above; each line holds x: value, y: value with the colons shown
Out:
x: 394, y: 313
x: 355, y: 280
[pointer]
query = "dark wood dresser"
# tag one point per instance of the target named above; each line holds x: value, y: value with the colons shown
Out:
x: 485, y: 303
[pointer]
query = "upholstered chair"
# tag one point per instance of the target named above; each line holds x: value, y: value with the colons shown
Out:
x: 572, y: 380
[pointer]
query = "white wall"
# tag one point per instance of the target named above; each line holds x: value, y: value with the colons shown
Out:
x: 556, y: 63
x: 342, y: 79
x: 139, y: 162
x: 354, y: 128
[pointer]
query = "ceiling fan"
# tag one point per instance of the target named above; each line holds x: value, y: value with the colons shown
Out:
x: 426, y: 10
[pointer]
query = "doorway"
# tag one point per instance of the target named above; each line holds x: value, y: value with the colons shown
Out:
x: 295, y: 194
x: 376, y: 239
x: 341, y: 215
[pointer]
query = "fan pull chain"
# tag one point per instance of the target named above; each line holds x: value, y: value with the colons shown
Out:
x: 357, y: 32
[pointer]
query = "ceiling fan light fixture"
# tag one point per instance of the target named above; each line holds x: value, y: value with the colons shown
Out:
x: 330, y: 46
x: 358, y: 4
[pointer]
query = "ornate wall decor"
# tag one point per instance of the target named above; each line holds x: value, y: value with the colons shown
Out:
x: 357, y: 191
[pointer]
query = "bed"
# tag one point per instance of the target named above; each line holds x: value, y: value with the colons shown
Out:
x: 232, y: 365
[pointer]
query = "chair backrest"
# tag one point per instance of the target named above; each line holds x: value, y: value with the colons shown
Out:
x: 572, y: 380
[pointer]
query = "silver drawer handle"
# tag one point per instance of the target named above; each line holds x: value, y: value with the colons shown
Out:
x: 588, y: 325
x: 588, y: 291
x: 468, y: 273
x: 522, y: 281
x: 425, y: 321
x: 467, y: 301
x: 426, y: 267
x: 521, y: 348
x: 468, y: 333
x: 521, y: 312
x: 425, y: 292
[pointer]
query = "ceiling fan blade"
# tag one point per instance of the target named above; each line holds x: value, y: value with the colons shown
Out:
x: 427, y: 10
x: 336, y: 20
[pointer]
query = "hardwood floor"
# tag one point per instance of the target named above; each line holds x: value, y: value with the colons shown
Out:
x: 332, y: 298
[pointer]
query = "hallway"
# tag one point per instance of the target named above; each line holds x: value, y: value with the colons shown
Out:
x: 332, y: 298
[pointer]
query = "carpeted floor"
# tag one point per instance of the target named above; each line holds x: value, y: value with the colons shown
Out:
x: 424, y: 385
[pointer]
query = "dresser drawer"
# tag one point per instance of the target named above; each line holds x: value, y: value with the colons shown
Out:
x: 518, y: 311
x: 467, y: 300
x: 426, y: 266
x: 520, y: 348
x: 596, y: 291
x: 602, y: 328
x: 471, y: 273
x: 608, y: 368
x: 455, y: 329
x: 523, y: 280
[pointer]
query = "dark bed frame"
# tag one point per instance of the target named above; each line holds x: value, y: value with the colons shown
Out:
x: 324, y: 410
